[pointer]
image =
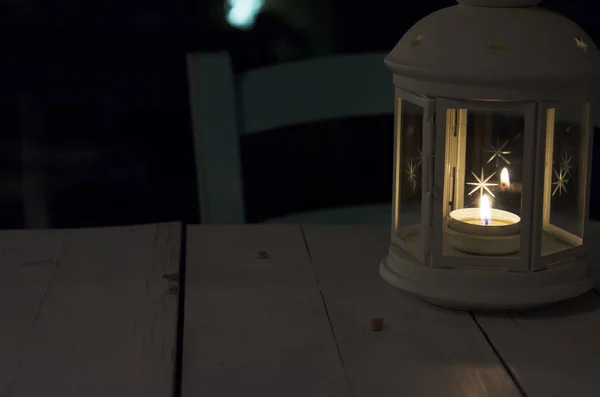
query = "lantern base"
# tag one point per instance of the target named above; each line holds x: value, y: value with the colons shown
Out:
x: 486, y: 289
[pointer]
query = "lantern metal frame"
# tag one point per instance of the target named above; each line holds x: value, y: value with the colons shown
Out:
x: 428, y: 106
x: 468, y: 282
x: 542, y: 187
x: 500, y: 59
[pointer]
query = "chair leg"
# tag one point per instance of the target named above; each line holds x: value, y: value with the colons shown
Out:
x: 34, y: 198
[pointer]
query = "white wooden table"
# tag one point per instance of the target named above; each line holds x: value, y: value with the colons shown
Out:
x: 297, y: 323
x: 88, y: 313
x: 85, y: 312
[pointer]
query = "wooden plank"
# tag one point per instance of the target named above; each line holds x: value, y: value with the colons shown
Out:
x: 554, y: 351
x: 106, y: 327
x: 27, y: 263
x: 255, y: 327
x: 423, y: 351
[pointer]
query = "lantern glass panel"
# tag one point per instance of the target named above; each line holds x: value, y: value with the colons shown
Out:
x: 565, y: 178
x: 408, y: 175
x: 483, y: 205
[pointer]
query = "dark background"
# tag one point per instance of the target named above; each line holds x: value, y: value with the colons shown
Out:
x: 106, y: 83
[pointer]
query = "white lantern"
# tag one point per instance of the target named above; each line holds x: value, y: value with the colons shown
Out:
x: 492, y: 156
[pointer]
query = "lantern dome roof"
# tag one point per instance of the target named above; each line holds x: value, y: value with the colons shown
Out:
x: 496, y: 49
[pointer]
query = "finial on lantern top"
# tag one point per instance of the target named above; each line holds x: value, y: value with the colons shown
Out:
x: 499, y: 3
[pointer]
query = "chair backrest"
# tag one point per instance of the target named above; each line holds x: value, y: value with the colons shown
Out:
x: 225, y: 107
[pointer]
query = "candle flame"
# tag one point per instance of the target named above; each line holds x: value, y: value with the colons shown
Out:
x: 504, y: 180
x: 485, y: 210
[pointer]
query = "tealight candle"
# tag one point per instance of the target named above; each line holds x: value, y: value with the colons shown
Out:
x: 484, y: 230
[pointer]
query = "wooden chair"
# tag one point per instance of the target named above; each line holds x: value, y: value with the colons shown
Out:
x: 34, y: 195
x: 226, y: 107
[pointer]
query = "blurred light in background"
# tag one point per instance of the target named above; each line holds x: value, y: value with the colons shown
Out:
x: 242, y: 13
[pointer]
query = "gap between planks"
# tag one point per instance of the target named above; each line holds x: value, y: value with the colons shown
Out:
x: 337, y: 346
x: 553, y: 351
x: 255, y: 322
x: 423, y: 350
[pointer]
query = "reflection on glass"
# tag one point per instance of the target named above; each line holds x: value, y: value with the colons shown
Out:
x: 483, y: 182
x: 564, y: 178
x: 408, y: 176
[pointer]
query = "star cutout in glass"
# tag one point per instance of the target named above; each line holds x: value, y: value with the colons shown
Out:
x: 565, y: 163
x: 498, y: 152
x: 561, y: 182
x: 412, y: 174
x: 419, y: 158
x: 482, y: 184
